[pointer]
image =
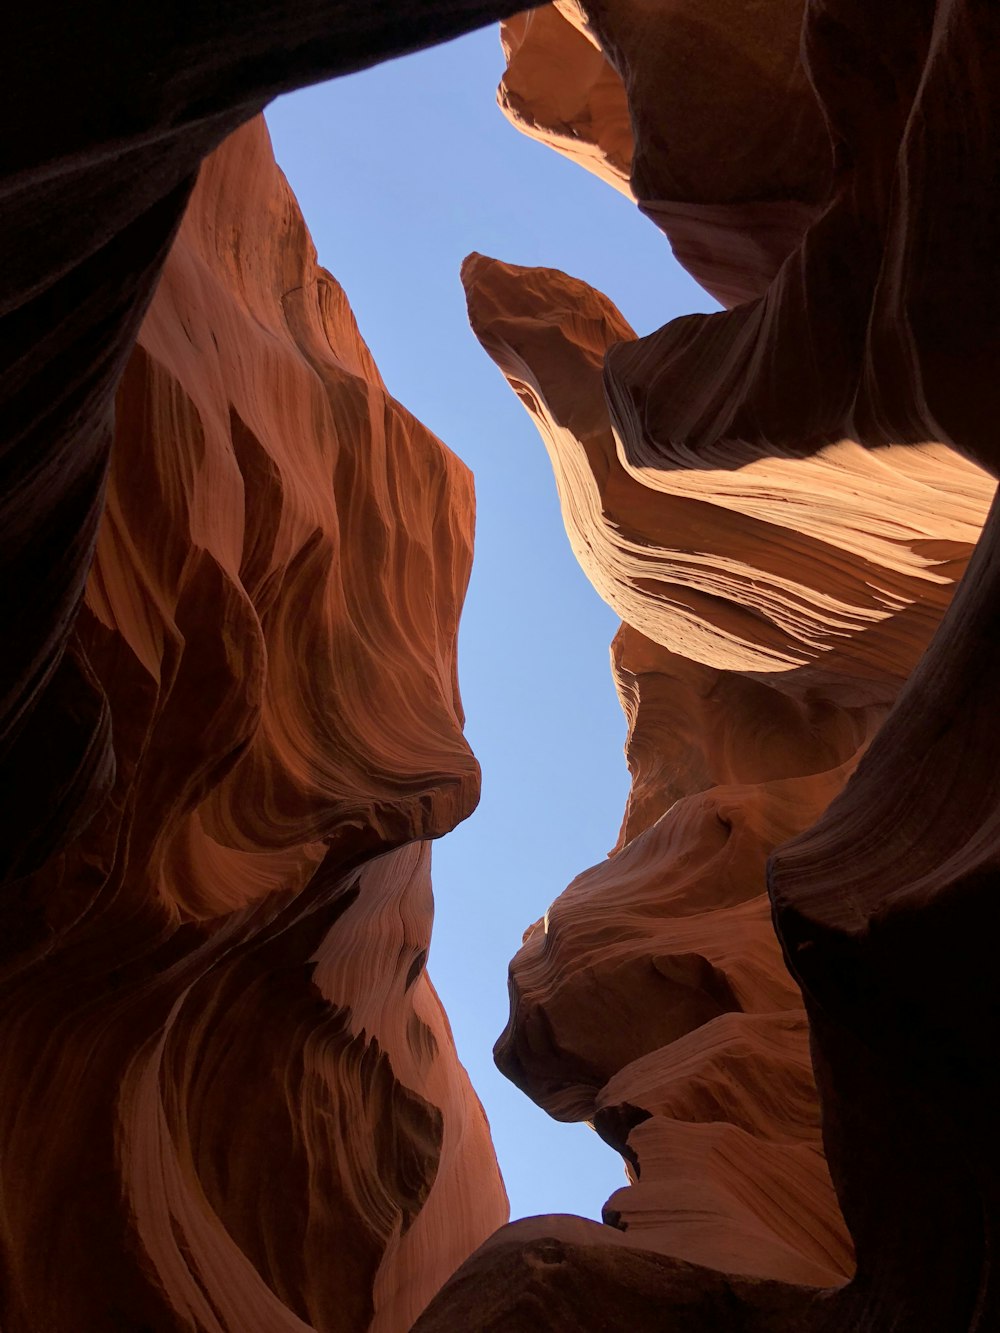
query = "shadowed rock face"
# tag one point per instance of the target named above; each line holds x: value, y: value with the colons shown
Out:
x: 701, y: 112
x: 653, y: 999
x: 231, y: 1102
x: 778, y: 501
x: 231, y: 1097
x: 114, y: 107
x: 724, y: 555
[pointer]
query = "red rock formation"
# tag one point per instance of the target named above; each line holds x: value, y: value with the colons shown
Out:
x: 724, y: 556
x: 232, y: 1101
x: 905, y: 349
x: 884, y: 910
x: 564, y: 1272
x: 703, y: 112
x: 725, y: 509
x: 559, y: 88
x: 111, y: 111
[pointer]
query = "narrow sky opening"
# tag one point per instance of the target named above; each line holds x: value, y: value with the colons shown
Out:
x: 400, y: 172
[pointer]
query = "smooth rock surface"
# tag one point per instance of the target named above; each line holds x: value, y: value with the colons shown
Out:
x: 560, y: 88
x: 777, y: 500
x: 111, y: 110
x: 703, y: 113
x: 232, y: 1100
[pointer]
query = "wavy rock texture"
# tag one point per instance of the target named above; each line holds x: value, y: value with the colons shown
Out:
x: 702, y: 112
x: 113, y: 116
x: 905, y: 348
x: 769, y: 498
x: 725, y: 556
x: 560, y: 89
x: 654, y: 999
x: 883, y: 909
x: 232, y: 1098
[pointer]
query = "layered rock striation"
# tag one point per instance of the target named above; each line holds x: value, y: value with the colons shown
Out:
x: 775, y: 632
x: 230, y: 724
x: 110, y: 116
x: 780, y: 500
x: 703, y: 113
x: 231, y: 1098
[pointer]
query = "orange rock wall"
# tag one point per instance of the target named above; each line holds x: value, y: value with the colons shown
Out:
x: 111, y: 120
x: 233, y: 1102
x: 780, y: 500
x: 766, y: 636
x: 229, y: 1100
x: 703, y: 113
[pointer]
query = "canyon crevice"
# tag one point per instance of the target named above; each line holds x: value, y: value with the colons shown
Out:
x: 231, y: 727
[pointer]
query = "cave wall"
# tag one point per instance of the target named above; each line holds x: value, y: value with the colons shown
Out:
x: 231, y: 1098
x: 232, y: 569
x: 110, y: 112
x: 772, y: 998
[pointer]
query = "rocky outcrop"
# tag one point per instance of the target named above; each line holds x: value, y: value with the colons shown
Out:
x: 703, y: 112
x: 723, y: 555
x: 560, y: 89
x: 904, y: 349
x: 231, y: 1098
x: 113, y: 113
x: 810, y: 722
x: 564, y: 1272
x: 653, y: 999
x: 230, y: 1101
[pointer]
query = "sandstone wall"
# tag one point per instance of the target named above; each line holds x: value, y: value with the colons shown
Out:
x: 231, y: 1098
x: 780, y: 500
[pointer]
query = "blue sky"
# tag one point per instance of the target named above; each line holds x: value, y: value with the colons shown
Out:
x: 401, y: 171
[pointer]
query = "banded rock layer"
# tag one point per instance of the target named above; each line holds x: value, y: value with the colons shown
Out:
x: 109, y: 120
x: 772, y: 499
x: 653, y: 999
x: 702, y: 113
x: 231, y: 1101
x: 231, y: 1098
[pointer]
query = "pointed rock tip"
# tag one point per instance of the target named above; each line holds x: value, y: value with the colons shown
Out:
x: 473, y: 266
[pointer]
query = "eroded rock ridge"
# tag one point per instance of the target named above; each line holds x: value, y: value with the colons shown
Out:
x: 748, y: 999
x: 230, y: 725
x: 232, y: 1097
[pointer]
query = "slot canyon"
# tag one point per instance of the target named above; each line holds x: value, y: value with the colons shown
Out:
x: 231, y: 727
